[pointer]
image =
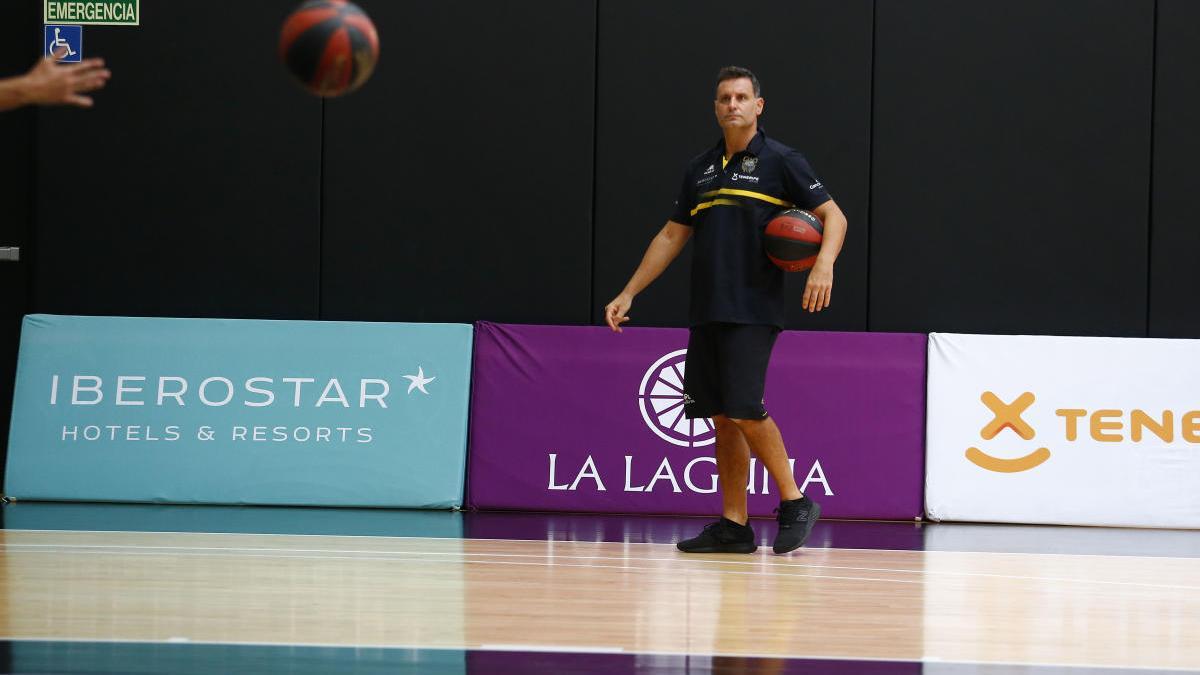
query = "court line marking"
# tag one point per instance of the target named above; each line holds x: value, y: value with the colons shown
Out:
x: 761, y: 560
x: 608, y: 650
x: 569, y: 649
x: 398, y: 556
x: 430, y: 561
x: 585, y: 543
x: 1119, y: 556
x: 740, y: 560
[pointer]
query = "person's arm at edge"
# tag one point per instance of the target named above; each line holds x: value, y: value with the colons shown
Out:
x: 50, y: 83
x: 663, y: 249
x: 13, y: 93
x: 819, y: 289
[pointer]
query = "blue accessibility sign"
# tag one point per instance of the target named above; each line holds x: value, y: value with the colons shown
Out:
x: 64, y: 42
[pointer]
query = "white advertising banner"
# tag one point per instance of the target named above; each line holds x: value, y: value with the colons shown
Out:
x: 1063, y: 430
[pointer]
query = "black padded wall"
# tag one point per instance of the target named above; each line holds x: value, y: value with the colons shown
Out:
x: 192, y: 187
x: 1175, y: 233
x: 1011, y: 166
x: 459, y: 184
x: 458, y: 181
x: 19, y: 38
x: 656, y: 84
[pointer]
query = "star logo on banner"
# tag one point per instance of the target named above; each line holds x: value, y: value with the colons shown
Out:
x: 419, y: 381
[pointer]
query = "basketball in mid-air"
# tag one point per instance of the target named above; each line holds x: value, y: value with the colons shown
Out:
x: 793, y: 239
x: 330, y: 46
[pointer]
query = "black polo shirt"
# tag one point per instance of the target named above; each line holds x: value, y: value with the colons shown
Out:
x: 728, y: 208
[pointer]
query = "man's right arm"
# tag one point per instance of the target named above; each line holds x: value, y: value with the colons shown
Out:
x: 12, y: 93
x: 664, y: 248
x: 50, y: 83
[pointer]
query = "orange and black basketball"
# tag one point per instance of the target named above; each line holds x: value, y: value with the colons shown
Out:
x: 793, y: 239
x: 330, y: 46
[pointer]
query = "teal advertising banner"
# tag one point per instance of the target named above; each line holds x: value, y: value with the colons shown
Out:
x: 240, y: 412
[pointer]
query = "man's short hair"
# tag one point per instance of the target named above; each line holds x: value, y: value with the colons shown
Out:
x: 737, y: 73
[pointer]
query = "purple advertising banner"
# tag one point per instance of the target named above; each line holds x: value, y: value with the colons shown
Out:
x: 583, y: 419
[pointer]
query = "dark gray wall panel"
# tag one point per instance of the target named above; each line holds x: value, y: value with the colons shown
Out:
x: 192, y: 188
x: 658, y: 61
x: 1175, y: 233
x: 1011, y: 166
x: 19, y: 38
x: 458, y: 180
x: 18, y: 51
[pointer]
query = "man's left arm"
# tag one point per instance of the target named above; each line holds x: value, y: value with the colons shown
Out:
x: 819, y: 289
x: 802, y: 187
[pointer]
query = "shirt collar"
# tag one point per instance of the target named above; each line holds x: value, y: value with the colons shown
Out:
x: 755, y: 147
x: 757, y: 143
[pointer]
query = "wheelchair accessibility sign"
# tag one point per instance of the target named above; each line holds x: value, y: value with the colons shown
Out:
x: 66, y: 41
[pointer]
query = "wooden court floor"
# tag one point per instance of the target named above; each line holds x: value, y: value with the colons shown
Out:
x: 600, y: 597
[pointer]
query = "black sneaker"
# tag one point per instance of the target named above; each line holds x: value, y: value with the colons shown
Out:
x: 723, y: 536
x: 796, y: 520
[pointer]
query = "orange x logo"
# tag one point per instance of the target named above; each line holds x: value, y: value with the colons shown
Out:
x: 1008, y: 415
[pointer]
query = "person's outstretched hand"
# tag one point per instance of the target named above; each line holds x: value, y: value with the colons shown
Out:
x: 51, y: 83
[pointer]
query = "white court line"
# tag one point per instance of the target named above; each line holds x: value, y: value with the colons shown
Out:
x: 116, y: 548
x: 351, y: 554
x: 397, y: 558
x: 610, y: 650
x: 624, y: 543
x: 569, y: 649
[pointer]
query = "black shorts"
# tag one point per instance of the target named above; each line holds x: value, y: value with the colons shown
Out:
x: 726, y: 370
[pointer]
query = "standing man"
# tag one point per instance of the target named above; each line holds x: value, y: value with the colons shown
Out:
x: 729, y: 193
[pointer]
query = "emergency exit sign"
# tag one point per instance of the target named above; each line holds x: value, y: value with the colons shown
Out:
x: 93, y: 12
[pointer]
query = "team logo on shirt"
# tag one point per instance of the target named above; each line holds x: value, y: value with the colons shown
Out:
x: 711, y: 168
x: 749, y: 164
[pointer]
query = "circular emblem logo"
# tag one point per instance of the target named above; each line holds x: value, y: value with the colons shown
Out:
x: 661, y: 399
